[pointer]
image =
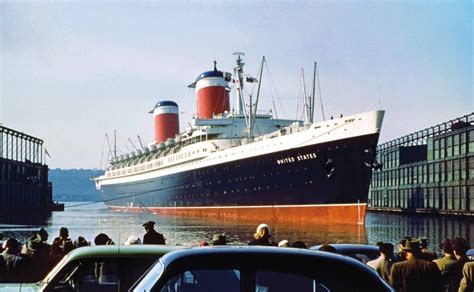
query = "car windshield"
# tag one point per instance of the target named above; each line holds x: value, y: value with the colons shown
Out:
x: 230, y: 280
x: 282, y: 281
x: 149, y: 278
x: 204, y: 280
x: 55, y: 270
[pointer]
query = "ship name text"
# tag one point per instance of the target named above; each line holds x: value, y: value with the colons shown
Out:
x: 296, y: 158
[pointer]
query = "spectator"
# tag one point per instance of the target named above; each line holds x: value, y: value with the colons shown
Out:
x: 13, y: 262
x: 426, y: 253
x: 452, y: 273
x: 132, y: 239
x: 284, y: 243
x: 39, y: 263
x: 80, y: 242
x: 219, y: 239
x: 203, y: 243
x: 467, y: 282
x: 103, y: 239
x: 400, y: 253
x: 299, y: 244
x: 384, y: 262
x: 151, y: 236
x: 61, y: 246
x: 327, y: 248
x: 262, y: 236
x: 448, y: 256
x: 415, y: 274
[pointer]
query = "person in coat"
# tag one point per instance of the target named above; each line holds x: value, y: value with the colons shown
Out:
x: 467, y: 281
x: 262, y: 236
x: 448, y: 255
x: 452, y: 274
x: 383, y: 264
x: 415, y: 274
x: 152, y: 236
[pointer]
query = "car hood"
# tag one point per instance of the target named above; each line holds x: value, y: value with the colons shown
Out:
x: 23, y: 287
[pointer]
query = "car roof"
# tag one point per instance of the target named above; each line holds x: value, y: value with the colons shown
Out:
x: 258, y: 258
x: 119, y: 251
x: 258, y: 255
x: 111, y: 251
x: 341, y: 247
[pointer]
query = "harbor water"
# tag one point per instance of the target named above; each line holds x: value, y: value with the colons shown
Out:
x: 90, y: 219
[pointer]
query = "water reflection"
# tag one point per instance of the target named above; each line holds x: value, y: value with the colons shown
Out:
x: 24, y: 218
x: 89, y: 220
x: 390, y: 227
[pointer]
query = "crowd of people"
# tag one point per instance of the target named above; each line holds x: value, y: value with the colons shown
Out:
x: 413, y: 267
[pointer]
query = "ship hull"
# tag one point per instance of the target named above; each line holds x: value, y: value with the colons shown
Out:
x: 325, y: 182
x: 335, y: 213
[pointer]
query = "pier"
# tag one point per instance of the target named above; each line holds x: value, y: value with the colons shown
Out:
x: 429, y: 172
x: 24, y: 181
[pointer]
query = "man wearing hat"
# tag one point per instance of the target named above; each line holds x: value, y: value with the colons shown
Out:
x: 39, y: 263
x: 415, y: 274
x: 427, y: 253
x: 151, y: 236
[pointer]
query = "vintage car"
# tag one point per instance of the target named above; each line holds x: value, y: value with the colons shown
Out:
x: 97, y: 268
x: 262, y: 269
x: 360, y: 252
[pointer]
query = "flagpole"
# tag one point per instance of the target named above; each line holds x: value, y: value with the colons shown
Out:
x: 46, y: 153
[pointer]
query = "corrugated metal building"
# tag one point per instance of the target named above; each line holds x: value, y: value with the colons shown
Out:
x: 430, y: 171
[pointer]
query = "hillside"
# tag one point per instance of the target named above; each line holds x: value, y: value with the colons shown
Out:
x: 74, y: 184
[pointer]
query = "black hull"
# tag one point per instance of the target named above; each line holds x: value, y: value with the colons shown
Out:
x: 337, y: 172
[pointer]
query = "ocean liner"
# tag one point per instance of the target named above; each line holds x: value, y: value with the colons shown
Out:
x: 247, y: 164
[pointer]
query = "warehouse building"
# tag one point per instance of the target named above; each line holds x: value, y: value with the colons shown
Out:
x: 429, y: 171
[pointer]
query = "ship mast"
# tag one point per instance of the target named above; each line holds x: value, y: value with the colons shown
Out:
x: 307, y: 100
x: 313, y: 94
x: 316, y: 78
x: 238, y: 70
x: 239, y: 80
x: 254, y: 113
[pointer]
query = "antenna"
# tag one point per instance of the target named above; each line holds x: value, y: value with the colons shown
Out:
x: 115, y: 144
x: 239, y: 54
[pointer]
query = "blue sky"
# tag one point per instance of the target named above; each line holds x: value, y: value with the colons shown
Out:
x: 71, y: 71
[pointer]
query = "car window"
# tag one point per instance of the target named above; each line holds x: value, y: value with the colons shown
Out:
x: 361, y: 257
x: 110, y: 274
x: 268, y: 281
x: 204, y: 280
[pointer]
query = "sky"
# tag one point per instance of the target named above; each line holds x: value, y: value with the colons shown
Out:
x: 72, y: 71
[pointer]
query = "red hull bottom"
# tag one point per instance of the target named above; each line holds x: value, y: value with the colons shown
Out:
x: 342, y: 213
